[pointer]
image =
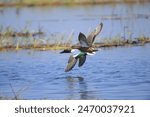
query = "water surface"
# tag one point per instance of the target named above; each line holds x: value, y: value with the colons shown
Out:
x: 123, y: 20
x: 115, y: 73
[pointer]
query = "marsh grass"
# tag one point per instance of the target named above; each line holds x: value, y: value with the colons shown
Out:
x: 25, y: 32
x: 119, y: 41
x: 57, y: 42
x: 12, y: 40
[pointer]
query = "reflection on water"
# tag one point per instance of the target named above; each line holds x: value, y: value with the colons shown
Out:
x: 83, y: 92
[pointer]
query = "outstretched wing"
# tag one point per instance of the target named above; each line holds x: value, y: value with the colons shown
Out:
x: 91, y: 37
x: 71, y: 63
x: 82, y: 60
x: 83, y: 40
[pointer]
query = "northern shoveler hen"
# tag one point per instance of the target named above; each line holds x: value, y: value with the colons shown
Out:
x: 85, y: 48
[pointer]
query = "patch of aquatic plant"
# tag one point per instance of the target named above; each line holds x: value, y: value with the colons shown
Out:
x: 133, y: 16
x: 58, y: 41
x: 54, y: 41
x: 10, y: 32
x: 118, y: 41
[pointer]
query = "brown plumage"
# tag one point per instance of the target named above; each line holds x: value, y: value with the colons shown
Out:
x: 85, y: 47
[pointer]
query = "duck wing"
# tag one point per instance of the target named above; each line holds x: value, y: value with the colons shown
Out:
x: 82, y: 60
x: 71, y: 63
x: 82, y: 40
x: 92, y: 35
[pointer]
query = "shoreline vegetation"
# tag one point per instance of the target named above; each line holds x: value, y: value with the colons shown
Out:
x: 12, y: 40
x: 31, y: 3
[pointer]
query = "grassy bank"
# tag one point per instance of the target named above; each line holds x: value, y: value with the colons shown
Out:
x: 62, y: 2
x: 12, y: 40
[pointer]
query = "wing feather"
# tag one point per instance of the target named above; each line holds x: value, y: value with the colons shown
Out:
x: 83, y: 40
x: 92, y: 35
x: 71, y: 63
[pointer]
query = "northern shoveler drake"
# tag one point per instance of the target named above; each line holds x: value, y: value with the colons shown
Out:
x: 85, y: 48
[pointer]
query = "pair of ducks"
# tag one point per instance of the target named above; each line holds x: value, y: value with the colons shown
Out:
x: 81, y: 51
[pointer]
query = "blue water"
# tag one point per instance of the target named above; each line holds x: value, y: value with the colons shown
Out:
x: 123, y: 20
x: 114, y: 73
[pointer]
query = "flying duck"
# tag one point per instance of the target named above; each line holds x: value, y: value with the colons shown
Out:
x: 84, y: 48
